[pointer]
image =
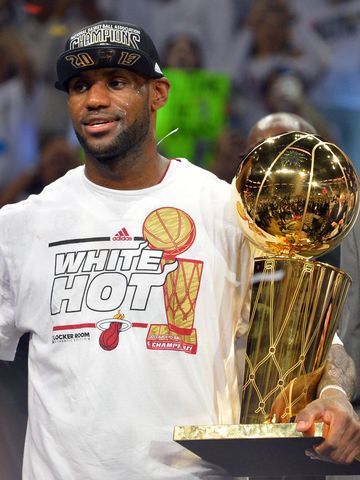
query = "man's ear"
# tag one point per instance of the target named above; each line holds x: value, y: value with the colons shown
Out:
x: 159, y: 92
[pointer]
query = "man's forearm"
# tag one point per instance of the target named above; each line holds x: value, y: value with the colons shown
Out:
x: 339, y: 370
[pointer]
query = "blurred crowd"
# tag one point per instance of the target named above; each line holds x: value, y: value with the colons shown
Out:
x: 243, y: 59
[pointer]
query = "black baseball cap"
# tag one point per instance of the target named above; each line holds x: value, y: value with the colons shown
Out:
x: 108, y: 44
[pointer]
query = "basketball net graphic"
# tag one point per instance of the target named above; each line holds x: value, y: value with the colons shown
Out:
x: 173, y: 231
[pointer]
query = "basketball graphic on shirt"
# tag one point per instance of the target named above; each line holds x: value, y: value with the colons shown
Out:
x: 169, y: 229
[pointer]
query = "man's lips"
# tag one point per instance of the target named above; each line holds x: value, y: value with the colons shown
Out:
x: 99, y: 124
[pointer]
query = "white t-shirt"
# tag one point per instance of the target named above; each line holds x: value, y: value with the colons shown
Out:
x: 132, y: 299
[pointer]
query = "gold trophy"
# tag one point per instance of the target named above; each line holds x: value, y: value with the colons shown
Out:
x: 296, y: 196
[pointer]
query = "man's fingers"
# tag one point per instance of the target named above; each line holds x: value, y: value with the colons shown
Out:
x: 305, y: 420
x: 341, y: 429
x: 313, y: 455
x: 342, y: 438
x: 307, y: 428
x: 341, y: 445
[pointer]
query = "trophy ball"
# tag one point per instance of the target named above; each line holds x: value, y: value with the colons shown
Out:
x: 296, y: 195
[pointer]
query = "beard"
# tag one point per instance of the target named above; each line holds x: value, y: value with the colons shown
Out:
x: 126, y: 142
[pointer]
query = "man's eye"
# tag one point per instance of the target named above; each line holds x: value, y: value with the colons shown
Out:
x: 117, y: 83
x: 78, y: 87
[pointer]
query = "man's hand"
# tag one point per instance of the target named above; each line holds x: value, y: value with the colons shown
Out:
x: 341, y: 427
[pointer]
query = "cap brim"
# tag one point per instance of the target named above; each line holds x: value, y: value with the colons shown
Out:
x: 72, y: 63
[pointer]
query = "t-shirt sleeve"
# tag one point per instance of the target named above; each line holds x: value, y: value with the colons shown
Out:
x: 337, y: 340
x: 9, y: 335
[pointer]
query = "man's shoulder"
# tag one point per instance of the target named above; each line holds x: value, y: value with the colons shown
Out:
x: 53, y: 193
x: 197, y: 173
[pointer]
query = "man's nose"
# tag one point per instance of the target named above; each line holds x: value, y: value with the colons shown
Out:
x: 98, y: 96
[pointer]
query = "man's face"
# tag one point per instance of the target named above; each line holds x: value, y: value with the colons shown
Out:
x: 110, y: 111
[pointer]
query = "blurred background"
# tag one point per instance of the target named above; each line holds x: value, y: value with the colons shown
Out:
x: 230, y: 63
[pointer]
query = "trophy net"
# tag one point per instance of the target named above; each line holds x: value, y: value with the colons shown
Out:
x: 180, y: 294
x: 294, y: 314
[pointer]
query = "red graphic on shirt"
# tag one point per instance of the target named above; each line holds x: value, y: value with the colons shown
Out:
x: 122, y: 235
x: 173, y: 231
x: 109, y: 338
x: 111, y: 328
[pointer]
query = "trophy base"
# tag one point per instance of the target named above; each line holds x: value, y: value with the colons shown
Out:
x: 259, y: 450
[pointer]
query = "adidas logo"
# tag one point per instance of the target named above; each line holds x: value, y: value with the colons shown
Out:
x: 122, y: 235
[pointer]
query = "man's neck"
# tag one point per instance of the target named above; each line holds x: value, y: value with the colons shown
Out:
x: 127, y: 173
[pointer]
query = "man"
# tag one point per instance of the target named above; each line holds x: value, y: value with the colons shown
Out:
x: 131, y: 275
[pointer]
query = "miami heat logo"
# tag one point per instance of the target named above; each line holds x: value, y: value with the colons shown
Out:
x: 111, y: 328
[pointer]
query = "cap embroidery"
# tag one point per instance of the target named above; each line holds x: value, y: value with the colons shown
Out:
x: 106, y: 34
x: 108, y: 44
